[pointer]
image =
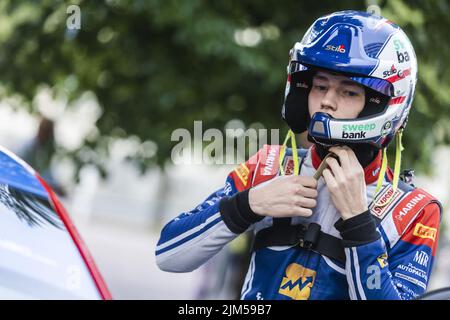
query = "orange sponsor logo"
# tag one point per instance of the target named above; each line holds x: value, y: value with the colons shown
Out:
x: 425, y: 232
x: 242, y: 172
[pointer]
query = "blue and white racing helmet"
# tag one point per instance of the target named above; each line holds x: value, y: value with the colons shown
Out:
x: 369, y: 50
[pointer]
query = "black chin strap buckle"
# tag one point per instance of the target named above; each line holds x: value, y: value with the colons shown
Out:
x: 311, y: 236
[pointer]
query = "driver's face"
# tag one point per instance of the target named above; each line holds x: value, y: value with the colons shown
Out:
x: 336, y: 95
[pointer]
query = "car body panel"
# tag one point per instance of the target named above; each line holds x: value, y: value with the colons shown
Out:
x: 42, y: 255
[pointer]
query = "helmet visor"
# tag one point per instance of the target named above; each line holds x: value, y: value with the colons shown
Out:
x: 379, y: 85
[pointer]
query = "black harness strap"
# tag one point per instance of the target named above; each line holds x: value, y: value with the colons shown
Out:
x: 281, y: 222
x: 308, y: 237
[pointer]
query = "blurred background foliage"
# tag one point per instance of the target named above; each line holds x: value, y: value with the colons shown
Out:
x: 158, y: 65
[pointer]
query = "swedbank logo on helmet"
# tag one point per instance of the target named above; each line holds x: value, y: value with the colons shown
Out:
x: 356, y: 131
x: 340, y: 48
x: 402, y: 53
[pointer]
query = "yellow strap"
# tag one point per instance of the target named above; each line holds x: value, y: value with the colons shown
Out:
x: 383, y: 169
x: 398, y: 160
x: 294, y: 153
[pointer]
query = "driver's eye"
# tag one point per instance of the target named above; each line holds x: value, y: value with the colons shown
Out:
x: 320, y: 87
x: 351, y: 93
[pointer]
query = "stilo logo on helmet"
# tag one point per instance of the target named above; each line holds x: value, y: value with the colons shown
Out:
x: 340, y: 48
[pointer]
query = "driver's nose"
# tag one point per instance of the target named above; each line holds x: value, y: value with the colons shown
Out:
x: 329, y: 102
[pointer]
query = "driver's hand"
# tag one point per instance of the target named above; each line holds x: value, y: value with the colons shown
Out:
x: 284, y: 196
x: 346, y: 183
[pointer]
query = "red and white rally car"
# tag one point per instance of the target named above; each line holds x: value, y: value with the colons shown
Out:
x: 41, y: 253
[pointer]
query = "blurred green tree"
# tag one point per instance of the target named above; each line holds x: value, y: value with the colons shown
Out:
x: 158, y: 65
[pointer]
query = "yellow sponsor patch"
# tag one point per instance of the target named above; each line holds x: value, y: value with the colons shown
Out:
x: 242, y: 172
x: 298, y: 282
x: 382, y: 260
x: 425, y: 232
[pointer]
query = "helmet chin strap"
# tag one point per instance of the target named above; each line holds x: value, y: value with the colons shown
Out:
x: 364, y: 152
x: 320, y: 143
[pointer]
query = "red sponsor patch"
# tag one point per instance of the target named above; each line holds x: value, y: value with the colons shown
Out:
x: 408, y: 208
x: 261, y: 167
x: 385, y: 201
x: 269, y: 160
x: 289, y: 166
x: 268, y: 163
x: 425, y: 230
